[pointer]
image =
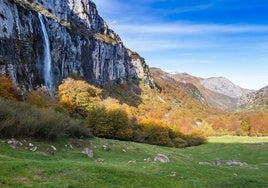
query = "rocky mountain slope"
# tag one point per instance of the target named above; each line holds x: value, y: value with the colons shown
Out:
x: 160, y: 76
x: 224, y: 86
x: 217, y: 92
x: 80, y: 43
x: 255, y: 101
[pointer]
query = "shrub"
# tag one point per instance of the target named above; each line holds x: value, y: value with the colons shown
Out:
x: 21, y: 119
x: 41, y: 97
x: 155, y: 132
x: 194, y: 139
x: 112, y: 123
x: 7, y: 90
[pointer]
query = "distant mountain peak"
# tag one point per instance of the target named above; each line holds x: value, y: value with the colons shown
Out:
x: 224, y: 86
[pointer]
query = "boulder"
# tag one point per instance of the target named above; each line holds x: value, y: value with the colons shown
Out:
x: 34, y: 148
x: 161, y: 158
x: 106, y: 148
x: 52, y: 150
x: 15, y: 143
x: 88, y: 152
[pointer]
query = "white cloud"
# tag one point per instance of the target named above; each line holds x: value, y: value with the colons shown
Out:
x: 184, y: 28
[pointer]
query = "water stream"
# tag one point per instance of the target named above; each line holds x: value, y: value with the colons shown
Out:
x: 47, y: 56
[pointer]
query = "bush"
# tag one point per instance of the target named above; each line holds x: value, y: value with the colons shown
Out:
x: 195, y: 139
x: 155, y: 132
x: 21, y: 119
x: 41, y: 97
x: 112, y: 123
x: 7, y: 90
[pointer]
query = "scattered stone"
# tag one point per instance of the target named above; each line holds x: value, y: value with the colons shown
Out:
x: 132, y: 161
x: 99, y: 160
x: 217, y: 163
x: 235, y: 163
x: 52, y: 150
x: 124, y: 150
x: 161, y: 158
x: 68, y: 146
x: 53, y: 147
x: 34, y: 148
x: 148, y: 159
x: 205, y: 163
x: 31, y: 145
x: 221, y: 163
x: 15, y: 143
x: 172, y: 174
x: 88, y: 152
x: 106, y: 148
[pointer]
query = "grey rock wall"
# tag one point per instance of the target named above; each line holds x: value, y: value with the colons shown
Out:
x: 86, y: 46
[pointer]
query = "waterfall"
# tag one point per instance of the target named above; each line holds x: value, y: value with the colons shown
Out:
x: 47, y: 56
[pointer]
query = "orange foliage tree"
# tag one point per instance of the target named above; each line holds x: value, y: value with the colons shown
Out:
x: 7, y: 90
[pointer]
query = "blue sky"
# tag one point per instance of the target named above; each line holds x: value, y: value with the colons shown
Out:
x: 206, y: 38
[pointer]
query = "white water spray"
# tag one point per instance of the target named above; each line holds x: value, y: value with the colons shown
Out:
x: 47, y: 56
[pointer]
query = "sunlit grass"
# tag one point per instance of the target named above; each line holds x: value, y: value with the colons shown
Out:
x: 70, y: 168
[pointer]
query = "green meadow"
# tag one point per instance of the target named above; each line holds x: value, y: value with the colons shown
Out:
x: 125, y: 165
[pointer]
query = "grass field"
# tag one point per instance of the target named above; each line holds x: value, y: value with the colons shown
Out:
x: 70, y: 168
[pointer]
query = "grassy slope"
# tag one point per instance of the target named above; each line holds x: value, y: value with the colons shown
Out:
x: 69, y: 168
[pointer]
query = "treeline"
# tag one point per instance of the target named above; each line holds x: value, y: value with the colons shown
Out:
x: 78, y: 110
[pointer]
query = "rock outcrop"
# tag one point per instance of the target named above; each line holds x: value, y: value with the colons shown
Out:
x: 254, y: 101
x: 80, y: 42
x: 224, y: 86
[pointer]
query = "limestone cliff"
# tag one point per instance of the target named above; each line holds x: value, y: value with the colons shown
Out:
x: 80, y: 42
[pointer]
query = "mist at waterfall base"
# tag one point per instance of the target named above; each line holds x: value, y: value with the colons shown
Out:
x: 48, y: 79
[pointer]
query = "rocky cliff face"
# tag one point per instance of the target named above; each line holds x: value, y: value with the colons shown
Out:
x: 254, y: 101
x: 80, y: 43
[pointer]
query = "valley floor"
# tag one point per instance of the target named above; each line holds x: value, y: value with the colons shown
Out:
x: 222, y: 162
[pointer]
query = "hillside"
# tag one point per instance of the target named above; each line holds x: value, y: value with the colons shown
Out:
x: 213, y: 98
x: 217, y: 92
x: 255, y: 101
x: 215, y: 164
x: 224, y: 86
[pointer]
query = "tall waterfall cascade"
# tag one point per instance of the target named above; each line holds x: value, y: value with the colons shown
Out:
x: 47, y: 56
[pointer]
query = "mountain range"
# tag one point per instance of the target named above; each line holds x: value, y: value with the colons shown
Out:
x: 218, y: 92
x: 81, y: 43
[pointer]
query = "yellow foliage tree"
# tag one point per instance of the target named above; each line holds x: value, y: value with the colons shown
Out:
x: 78, y: 94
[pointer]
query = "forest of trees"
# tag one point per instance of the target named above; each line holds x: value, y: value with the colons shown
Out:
x: 79, y: 109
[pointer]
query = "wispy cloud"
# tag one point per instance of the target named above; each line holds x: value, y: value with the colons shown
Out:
x: 184, y: 28
x: 211, y: 38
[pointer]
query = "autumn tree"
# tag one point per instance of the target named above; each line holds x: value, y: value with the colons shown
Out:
x: 112, y: 123
x: 7, y: 90
x: 78, y: 94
